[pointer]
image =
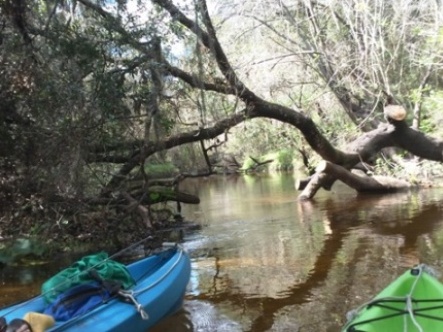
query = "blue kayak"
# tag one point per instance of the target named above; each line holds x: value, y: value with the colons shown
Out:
x: 161, y: 281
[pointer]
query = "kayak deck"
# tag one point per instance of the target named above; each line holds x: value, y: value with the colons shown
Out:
x: 161, y: 284
x: 413, y: 302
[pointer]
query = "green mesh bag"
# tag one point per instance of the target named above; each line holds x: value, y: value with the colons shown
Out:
x: 78, y: 273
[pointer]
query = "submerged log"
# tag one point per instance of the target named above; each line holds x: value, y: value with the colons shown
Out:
x: 375, y: 184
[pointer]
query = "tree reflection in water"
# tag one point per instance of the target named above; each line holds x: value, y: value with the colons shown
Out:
x: 275, y: 264
x: 264, y: 261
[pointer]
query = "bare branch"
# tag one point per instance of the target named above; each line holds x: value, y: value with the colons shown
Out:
x: 142, y: 210
x: 209, y: 39
x: 195, y: 82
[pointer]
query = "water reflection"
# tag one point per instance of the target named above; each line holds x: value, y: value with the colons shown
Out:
x: 19, y: 283
x: 265, y: 262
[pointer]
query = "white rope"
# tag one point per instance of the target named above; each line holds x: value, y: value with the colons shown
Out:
x: 409, y: 305
x: 431, y: 271
x: 352, y: 314
x: 142, y: 312
x: 131, y: 294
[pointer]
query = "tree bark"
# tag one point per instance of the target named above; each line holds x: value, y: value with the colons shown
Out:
x: 395, y: 134
x: 369, y: 144
x: 369, y: 184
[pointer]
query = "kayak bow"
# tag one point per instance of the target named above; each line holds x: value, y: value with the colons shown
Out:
x: 413, y: 302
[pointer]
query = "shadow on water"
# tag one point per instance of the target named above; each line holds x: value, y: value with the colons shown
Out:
x: 263, y: 261
x: 354, y: 246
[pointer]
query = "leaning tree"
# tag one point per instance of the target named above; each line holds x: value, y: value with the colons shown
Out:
x: 93, y: 90
x: 394, y: 133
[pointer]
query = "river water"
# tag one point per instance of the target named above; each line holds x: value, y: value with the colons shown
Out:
x: 263, y: 261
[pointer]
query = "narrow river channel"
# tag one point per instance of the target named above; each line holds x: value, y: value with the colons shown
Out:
x: 263, y: 261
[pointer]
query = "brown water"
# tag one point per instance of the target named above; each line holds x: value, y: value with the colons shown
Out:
x: 264, y: 261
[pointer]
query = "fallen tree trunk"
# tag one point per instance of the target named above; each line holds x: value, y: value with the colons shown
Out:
x: 395, y: 134
x: 372, y: 184
x: 316, y: 181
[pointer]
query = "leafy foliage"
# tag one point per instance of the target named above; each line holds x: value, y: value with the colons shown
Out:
x: 90, y: 90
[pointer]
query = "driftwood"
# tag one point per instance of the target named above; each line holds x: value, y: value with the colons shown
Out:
x: 373, y: 184
x: 153, y: 195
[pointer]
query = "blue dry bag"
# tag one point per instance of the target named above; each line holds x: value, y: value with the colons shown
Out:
x: 79, y: 300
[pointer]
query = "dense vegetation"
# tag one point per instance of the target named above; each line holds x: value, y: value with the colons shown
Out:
x: 100, y: 98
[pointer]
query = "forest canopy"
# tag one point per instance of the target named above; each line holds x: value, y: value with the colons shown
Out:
x: 107, y: 105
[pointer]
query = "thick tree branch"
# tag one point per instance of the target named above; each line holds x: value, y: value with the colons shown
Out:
x: 210, y: 40
x: 196, y: 82
x: 398, y: 135
x: 193, y: 80
x: 176, y: 140
x: 360, y: 150
x: 417, y: 143
x: 368, y: 184
x: 307, y: 127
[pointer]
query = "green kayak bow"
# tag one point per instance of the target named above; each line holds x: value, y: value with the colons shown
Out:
x: 411, y: 303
